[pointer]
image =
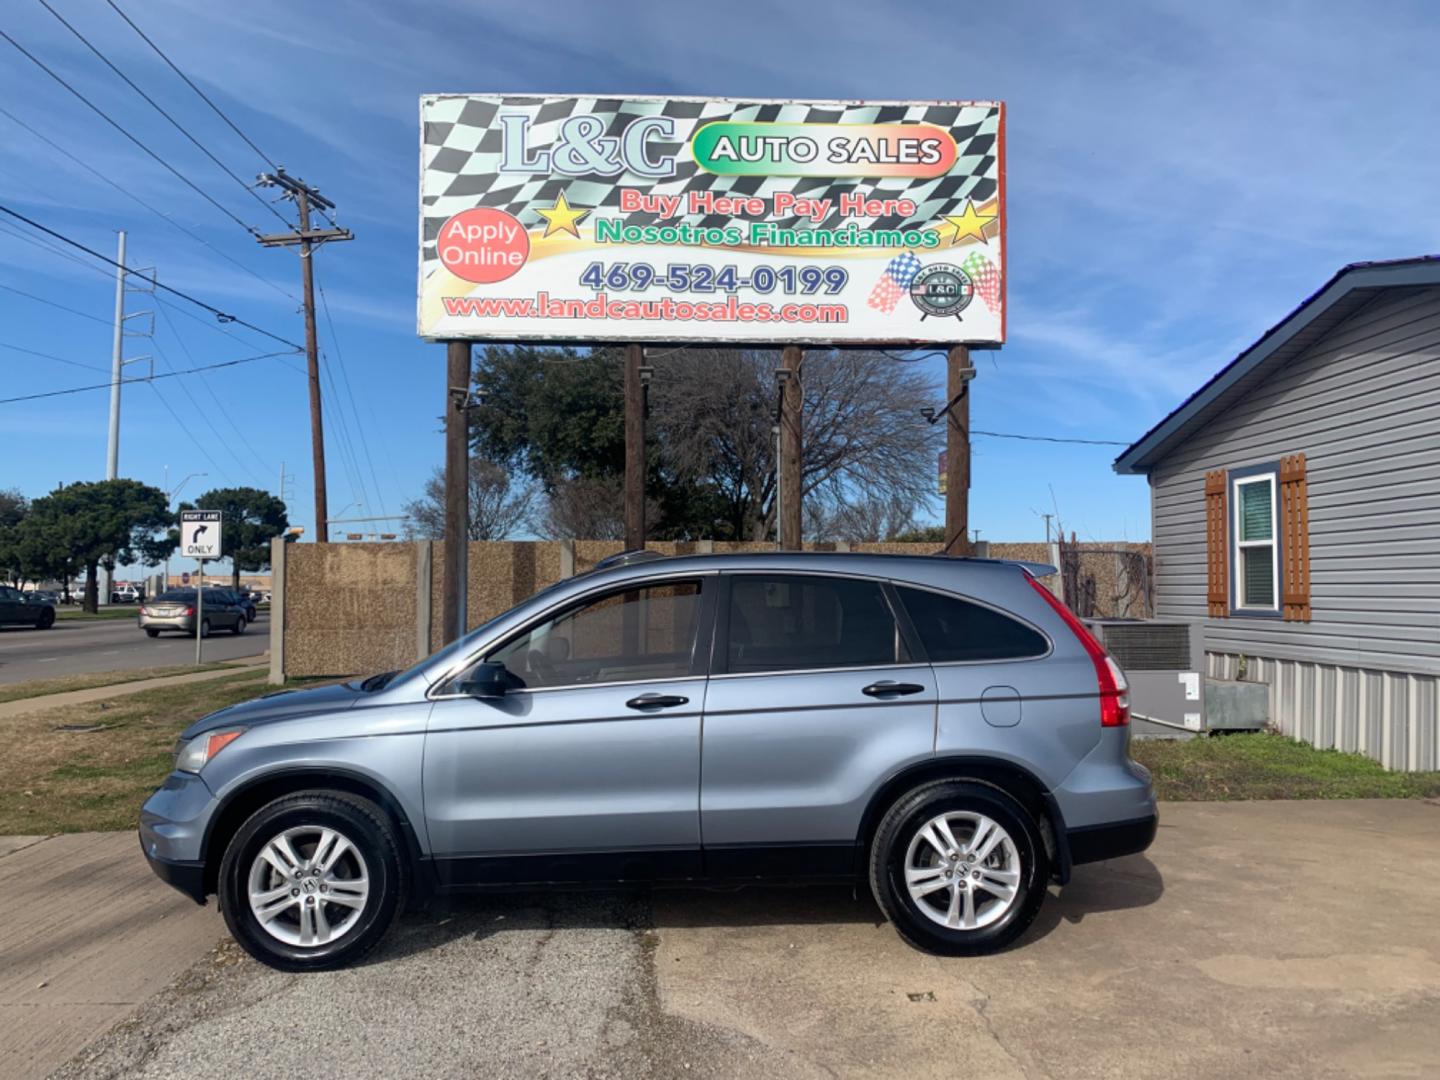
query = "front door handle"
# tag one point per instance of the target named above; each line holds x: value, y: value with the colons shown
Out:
x: 657, y: 701
x: 887, y: 688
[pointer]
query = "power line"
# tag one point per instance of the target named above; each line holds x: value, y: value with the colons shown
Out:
x: 52, y: 303
x: 35, y: 241
x: 163, y: 375
x: 1048, y: 438
x: 136, y: 198
x: 221, y: 315
x: 156, y: 106
x: 350, y: 393
x: 270, y: 161
x: 190, y: 434
x: 118, y: 127
x: 51, y: 356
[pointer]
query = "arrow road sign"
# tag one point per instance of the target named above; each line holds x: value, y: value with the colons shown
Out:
x: 200, y: 534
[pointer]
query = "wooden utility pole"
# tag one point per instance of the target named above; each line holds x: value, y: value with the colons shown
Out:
x: 958, y: 374
x: 634, y: 448
x: 791, y: 400
x: 308, y: 239
x: 457, y: 489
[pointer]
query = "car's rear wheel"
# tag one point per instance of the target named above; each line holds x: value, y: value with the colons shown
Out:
x: 46, y: 620
x: 204, y: 628
x: 959, y: 867
x: 239, y: 627
x: 312, y: 881
x: 150, y: 631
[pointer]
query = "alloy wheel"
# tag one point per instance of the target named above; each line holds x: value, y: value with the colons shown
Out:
x: 308, y: 886
x: 962, y: 870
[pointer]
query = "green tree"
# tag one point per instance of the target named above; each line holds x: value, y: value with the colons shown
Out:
x: 13, y: 509
x: 251, y: 518
x: 82, y: 525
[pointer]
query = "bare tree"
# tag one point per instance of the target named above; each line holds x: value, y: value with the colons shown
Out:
x: 585, y: 509
x: 498, y: 508
x: 865, y: 520
x: 714, y: 413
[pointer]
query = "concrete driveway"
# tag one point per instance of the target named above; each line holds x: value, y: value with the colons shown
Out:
x: 1255, y: 939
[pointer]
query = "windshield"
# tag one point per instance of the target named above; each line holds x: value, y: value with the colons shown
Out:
x: 463, y: 646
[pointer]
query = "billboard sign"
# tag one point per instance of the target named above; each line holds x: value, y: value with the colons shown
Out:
x: 711, y: 220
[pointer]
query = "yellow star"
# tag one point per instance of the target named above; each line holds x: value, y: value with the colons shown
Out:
x: 561, y: 217
x: 970, y: 223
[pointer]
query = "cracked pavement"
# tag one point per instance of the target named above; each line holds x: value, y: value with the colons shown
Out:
x: 1227, y: 950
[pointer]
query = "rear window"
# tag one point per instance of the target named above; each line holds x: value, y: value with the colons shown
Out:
x: 954, y: 629
x: 178, y: 595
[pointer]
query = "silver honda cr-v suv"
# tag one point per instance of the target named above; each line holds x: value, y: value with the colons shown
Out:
x: 944, y: 729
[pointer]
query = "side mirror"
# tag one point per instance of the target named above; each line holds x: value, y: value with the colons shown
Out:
x: 487, y: 679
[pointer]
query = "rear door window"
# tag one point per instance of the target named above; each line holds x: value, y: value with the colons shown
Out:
x: 790, y: 622
x: 952, y: 629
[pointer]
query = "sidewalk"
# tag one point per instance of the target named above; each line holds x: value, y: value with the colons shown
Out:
x: 104, y: 693
x: 87, y: 933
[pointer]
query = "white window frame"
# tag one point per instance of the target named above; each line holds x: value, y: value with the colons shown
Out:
x: 1236, y: 570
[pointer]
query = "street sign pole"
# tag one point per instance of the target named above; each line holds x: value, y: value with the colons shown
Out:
x: 199, y: 610
x: 200, y: 532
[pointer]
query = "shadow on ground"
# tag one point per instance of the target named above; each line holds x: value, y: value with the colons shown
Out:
x: 1112, y: 886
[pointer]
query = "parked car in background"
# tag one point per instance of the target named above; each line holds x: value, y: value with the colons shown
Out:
x: 177, y: 609
x: 126, y: 594
x: 943, y: 731
x: 17, y: 609
x: 244, y: 601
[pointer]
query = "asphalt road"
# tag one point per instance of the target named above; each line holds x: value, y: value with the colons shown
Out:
x: 75, y: 648
x: 1242, y: 945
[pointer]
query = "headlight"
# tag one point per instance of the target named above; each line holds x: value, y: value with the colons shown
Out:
x: 191, y: 756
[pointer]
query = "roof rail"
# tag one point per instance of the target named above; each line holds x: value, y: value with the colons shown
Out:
x: 626, y: 558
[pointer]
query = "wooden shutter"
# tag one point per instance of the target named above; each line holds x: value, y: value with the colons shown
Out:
x: 1217, y: 545
x: 1295, y: 539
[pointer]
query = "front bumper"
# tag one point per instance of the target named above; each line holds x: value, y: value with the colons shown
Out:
x: 188, y: 877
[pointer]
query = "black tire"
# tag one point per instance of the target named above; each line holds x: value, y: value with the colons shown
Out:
x: 150, y: 631
x: 46, y: 620
x: 907, y: 817
x: 239, y: 627
x: 204, y: 628
x: 372, y: 833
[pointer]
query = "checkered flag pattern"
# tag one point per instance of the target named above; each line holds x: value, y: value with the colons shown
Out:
x: 986, y: 277
x: 460, y: 159
x: 899, y: 272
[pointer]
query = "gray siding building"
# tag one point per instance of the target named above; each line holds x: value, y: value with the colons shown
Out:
x: 1295, y: 510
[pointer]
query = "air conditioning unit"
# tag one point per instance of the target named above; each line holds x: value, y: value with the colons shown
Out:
x: 1165, y: 664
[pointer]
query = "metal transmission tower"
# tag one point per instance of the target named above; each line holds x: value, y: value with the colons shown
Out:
x: 308, y: 198
x: 118, y: 364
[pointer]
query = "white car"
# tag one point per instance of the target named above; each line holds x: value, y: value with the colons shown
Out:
x: 126, y: 594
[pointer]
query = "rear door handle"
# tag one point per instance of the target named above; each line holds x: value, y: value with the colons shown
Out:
x: 657, y: 701
x: 887, y: 688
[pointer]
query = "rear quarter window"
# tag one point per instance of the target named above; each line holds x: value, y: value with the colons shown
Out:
x: 952, y: 629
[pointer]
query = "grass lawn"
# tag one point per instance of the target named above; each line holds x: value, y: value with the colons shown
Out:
x: 65, y: 683
x: 54, y: 780
x: 1262, y: 765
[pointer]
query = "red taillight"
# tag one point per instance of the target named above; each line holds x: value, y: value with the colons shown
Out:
x: 142, y: 610
x: 189, y: 611
x: 1114, y: 690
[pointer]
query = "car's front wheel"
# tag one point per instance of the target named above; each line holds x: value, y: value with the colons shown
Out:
x: 239, y: 627
x: 46, y: 620
x: 959, y: 867
x: 312, y: 880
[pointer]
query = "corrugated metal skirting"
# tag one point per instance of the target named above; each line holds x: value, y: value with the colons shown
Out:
x: 1391, y: 716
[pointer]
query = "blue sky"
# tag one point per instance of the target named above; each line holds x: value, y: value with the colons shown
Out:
x: 1181, y: 175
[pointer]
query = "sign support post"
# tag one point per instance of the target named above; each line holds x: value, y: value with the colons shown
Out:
x: 634, y: 449
x: 791, y: 400
x: 200, y: 532
x: 457, y: 490
x: 958, y: 374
